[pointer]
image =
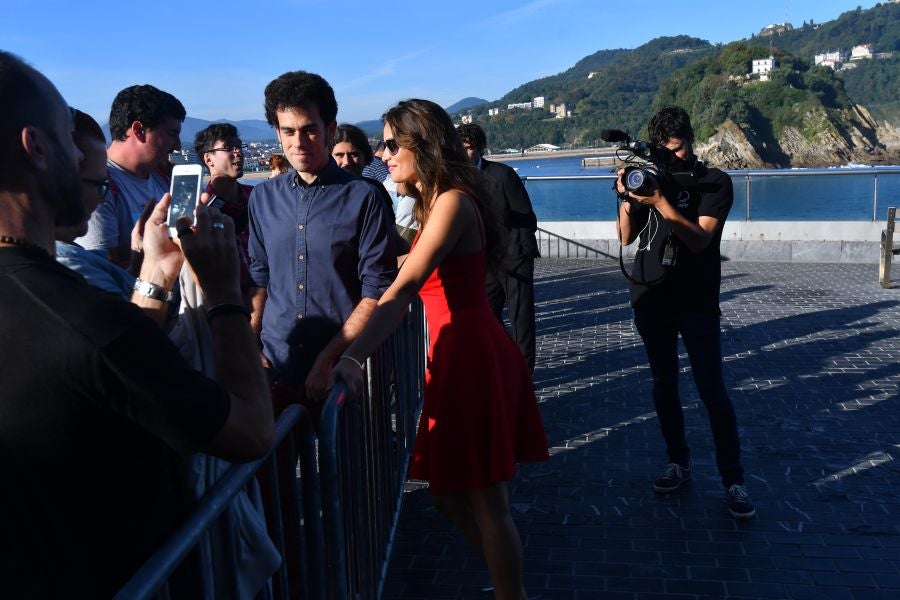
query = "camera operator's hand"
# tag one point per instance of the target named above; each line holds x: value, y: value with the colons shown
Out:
x: 620, y: 184
x: 654, y: 200
x: 633, y: 200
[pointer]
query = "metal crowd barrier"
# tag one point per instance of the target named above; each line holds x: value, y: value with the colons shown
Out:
x: 294, y: 432
x: 552, y: 244
x: 365, y: 447
x: 346, y: 497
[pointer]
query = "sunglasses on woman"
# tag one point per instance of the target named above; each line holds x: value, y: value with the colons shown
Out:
x: 392, y: 146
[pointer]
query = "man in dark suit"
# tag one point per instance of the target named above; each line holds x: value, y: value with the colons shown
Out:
x: 514, y: 284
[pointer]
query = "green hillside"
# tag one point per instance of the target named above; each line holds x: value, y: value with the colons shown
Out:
x: 716, y: 89
x: 873, y: 83
x: 609, y: 89
x: 620, y: 88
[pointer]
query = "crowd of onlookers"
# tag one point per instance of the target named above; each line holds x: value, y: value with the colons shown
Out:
x: 140, y: 354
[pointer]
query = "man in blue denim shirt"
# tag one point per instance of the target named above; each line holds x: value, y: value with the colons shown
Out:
x: 321, y: 246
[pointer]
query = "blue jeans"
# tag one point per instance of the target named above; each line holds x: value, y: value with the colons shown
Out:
x: 700, y: 334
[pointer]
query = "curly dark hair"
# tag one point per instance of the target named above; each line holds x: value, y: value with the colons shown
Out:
x: 295, y: 88
x: 670, y: 122
x: 143, y: 103
x: 206, y: 138
x: 346, y: 132
x: 441, y: 164
x: 472, y: 134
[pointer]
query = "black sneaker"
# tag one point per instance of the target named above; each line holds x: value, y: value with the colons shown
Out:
x: 672, y: 479
x: 739, y: 504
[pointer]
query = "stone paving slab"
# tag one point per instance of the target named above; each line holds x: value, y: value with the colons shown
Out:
x: 812, y: 360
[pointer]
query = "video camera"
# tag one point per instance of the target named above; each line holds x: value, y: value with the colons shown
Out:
x: 646, y: 165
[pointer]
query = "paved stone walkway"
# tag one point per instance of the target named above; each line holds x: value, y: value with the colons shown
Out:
x: 812, y: 357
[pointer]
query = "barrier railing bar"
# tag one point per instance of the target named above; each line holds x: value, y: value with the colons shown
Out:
x: 152, y: 577
x: 331, y: 488
x: 569, y: 243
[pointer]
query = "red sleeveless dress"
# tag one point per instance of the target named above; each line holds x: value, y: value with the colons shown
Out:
x: 479, y: 416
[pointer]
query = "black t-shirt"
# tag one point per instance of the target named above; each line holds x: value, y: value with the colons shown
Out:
x: 691, y: 282
x: 98, y: 413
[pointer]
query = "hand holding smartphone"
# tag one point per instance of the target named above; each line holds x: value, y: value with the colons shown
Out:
x: 185, y: 190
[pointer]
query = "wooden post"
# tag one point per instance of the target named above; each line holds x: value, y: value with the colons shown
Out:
x: 887, y: 249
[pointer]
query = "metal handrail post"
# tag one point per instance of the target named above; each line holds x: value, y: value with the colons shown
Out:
x: 875, y: 200
x: 747, y: 196
x: 887, y: 249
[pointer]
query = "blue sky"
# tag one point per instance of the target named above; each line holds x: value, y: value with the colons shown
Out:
x: 217, y: 57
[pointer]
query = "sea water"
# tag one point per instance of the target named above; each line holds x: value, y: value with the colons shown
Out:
x: 841, y: 194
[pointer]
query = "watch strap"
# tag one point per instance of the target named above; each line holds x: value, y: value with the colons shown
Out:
x: 152, y: 291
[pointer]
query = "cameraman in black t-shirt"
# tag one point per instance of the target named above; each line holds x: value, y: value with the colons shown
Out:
x: 675, y: 282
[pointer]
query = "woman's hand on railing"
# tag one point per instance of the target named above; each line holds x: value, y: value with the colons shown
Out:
x: 351, y: 372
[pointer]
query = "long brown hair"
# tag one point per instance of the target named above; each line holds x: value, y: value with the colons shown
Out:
x: 441, y: 164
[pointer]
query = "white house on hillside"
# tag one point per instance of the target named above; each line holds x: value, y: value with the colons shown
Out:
x: 833, y: 60
x: 861, y: 52
x: 761, y: 68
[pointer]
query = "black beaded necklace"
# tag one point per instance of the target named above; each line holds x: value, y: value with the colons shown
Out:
x: 23, y: 243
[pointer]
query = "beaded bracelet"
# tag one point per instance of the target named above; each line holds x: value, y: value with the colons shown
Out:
x: 227, y: 309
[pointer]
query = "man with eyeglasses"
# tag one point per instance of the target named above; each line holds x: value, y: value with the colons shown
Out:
x: 145, y: 124
x: 221, y: 151
x: 321, y: 245
x: 98, y: 271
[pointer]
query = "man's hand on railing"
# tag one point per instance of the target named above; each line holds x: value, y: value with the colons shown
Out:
x: 350, y: 371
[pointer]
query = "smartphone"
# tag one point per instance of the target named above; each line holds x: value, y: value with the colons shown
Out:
x: 185, y: 190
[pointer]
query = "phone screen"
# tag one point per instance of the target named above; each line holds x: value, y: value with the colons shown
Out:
x: 184, y: 197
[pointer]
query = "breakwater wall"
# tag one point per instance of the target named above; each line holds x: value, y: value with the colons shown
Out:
x: 762, y: 241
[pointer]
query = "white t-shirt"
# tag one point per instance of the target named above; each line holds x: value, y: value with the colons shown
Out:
x: 403, y: 206
x: 111, y: 224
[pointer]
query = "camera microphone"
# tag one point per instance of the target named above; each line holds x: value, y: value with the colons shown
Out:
x: 614, y: 135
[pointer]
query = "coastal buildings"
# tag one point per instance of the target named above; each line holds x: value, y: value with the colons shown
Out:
x: 560, y: 110
x: 256, y: 157
x: 775, y: 29
x: 538, y: 102
x: 523, y: 105
x: 861, y: 52
x: 841, y: 59
x: 832, y: 59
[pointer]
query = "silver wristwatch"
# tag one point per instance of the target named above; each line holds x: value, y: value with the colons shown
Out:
x: 152, y: 291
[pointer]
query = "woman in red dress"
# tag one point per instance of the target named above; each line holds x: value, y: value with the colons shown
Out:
x: 480, y: 416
